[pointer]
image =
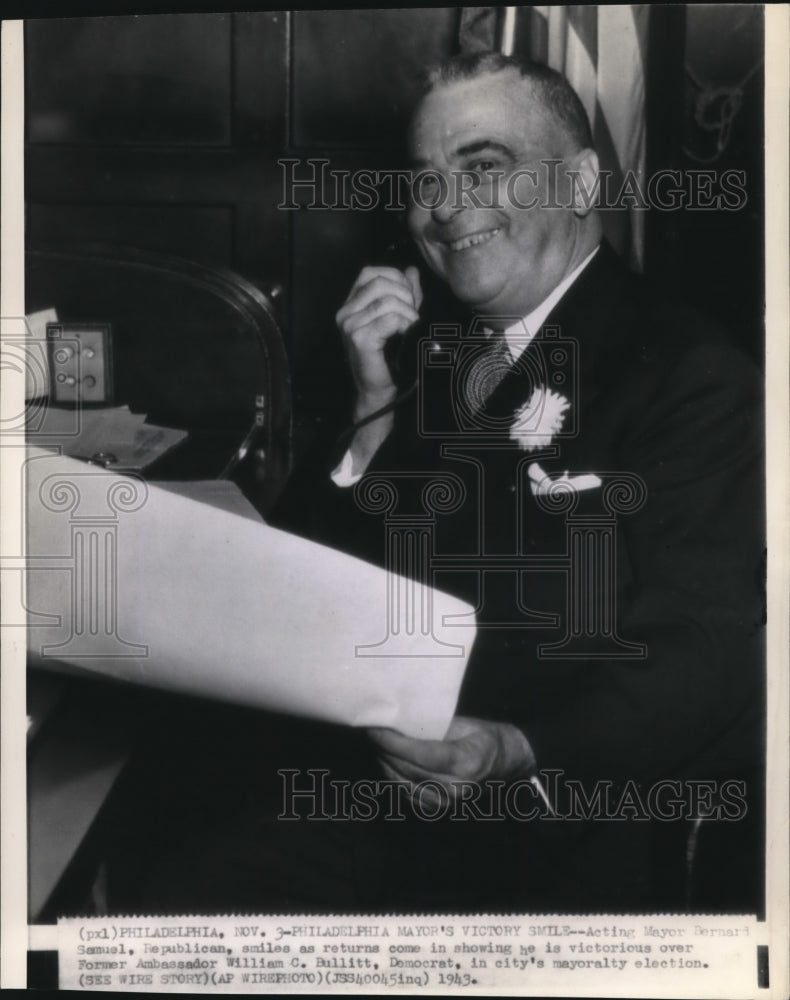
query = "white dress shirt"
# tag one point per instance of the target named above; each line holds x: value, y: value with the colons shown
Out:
x: 517, y: 336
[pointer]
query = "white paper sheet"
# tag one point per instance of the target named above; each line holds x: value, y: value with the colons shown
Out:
x: 158, y: 589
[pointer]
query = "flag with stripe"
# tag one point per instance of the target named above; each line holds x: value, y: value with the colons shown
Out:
x: 602, y: 51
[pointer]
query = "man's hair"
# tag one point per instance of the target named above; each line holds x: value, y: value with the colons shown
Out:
x: 555, y: 95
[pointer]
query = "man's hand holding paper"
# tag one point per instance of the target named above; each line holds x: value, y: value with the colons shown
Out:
x: 474, y: 750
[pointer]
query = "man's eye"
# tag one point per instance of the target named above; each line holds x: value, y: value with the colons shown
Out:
x: 427, y: 188
x: 424, y: 178
x: 484, y: 166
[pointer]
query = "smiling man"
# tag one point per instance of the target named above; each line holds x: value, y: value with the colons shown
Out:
x: 649, y: 672
x: 617, y: 667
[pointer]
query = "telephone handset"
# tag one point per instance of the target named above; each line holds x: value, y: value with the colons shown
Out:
x: 401, y: 349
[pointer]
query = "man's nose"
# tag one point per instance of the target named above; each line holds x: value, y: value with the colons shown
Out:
x: 450, y: 201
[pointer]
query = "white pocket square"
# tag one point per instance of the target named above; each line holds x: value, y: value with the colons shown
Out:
x: 541, y: 483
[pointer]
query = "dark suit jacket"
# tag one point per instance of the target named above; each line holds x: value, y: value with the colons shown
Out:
x: 661, y: 394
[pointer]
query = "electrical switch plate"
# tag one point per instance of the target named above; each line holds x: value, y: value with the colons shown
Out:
x: 79, y: 363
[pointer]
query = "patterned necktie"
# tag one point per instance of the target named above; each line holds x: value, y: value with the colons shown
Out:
x: 487, y: 370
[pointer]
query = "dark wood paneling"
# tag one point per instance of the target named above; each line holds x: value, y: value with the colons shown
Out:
x: 356, y: 73
x: 202, y: 233
x: 260, y: 48
x: 249, y: 180
x: 108, y: 80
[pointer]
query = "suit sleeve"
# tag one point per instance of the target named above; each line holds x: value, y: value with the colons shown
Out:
x: 314, y: 506
x: 694, y: 599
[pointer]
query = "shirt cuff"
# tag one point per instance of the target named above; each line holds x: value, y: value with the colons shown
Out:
x: 343, y: 475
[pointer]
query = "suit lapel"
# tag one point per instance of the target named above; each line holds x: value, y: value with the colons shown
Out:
x: 577, y: 348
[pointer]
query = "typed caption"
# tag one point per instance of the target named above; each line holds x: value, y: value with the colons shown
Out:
x: 596, y: 955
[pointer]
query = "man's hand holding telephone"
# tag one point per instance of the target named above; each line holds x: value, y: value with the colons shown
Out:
x: 383, y: 302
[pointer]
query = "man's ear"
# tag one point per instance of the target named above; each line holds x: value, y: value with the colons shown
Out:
x: 585, y: 182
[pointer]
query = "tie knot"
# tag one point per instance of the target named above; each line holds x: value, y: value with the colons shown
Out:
x: 487, y: 370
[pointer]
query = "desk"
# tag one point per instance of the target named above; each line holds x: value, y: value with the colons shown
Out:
x: 80, y: 736
x: 74, y: 759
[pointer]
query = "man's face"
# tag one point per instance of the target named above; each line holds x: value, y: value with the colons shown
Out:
x: 499, y: 258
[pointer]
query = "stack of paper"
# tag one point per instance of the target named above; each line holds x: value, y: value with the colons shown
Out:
x: 148, y: 586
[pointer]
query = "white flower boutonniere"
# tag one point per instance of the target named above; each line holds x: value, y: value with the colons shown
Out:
x: 539, y: 419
